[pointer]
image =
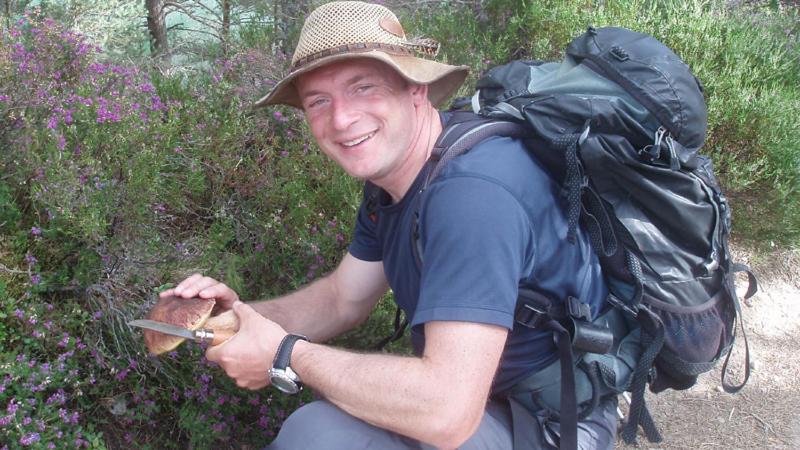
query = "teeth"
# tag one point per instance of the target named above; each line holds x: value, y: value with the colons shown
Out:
x: 355, y: 142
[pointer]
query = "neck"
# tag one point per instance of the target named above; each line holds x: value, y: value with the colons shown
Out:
x: 428, y: 129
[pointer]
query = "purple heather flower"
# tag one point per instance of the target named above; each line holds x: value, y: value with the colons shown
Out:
x: 35, y: 279
x: 36, y: 231
x: 29, y: 439
x: 30, y: 259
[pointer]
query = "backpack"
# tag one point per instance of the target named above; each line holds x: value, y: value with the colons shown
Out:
x: 619, y: 123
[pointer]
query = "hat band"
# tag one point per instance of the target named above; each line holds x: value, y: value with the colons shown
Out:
x: 396, y: 50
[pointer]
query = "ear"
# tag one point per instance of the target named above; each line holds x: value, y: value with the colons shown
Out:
x: 419, y: 93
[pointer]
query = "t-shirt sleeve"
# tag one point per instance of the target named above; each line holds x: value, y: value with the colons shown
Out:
x: 477, y: 244
x: 365, y: 244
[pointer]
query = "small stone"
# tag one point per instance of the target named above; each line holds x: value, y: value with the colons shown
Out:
x: 119, y: 406
x: 720, y: 389
x: 754, y: 364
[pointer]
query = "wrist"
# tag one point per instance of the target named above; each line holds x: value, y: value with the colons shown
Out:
x: 281, y: 375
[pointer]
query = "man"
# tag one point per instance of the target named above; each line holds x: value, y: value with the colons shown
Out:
x: 488, y: 223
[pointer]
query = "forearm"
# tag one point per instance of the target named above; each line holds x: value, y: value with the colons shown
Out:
x: 312, y: 311
x: 405, y: 395
x: 331, y: 305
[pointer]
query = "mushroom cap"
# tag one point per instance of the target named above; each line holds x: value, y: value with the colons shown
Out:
x: 191, y: 313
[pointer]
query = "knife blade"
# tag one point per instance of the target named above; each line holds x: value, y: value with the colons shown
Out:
x: 200, y: 335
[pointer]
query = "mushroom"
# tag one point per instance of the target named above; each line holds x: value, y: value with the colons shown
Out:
x: 192, y: 314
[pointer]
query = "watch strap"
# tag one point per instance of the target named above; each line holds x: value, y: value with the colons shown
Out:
x: 284, y: 353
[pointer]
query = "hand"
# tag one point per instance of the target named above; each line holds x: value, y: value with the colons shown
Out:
x: 247, y: 356
x: 204, y: 287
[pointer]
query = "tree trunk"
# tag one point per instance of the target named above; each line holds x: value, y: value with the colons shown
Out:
x: 226, y: 25
x: 289, y: 16
x: 157, y: 26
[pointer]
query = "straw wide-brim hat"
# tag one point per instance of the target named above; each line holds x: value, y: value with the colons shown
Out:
x: 344, y: 30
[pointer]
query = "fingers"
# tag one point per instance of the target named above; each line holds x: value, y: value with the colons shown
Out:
x: 247, y: 356
x: 198, y: 286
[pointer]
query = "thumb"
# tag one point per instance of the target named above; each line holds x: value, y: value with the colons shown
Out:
x: 244, y: 312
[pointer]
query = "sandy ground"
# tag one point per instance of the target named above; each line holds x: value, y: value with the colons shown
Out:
x: 764, y: 415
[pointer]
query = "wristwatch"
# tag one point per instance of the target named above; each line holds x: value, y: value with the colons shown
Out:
x: 281, y: 375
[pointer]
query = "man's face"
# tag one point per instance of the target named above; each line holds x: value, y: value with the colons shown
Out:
x: 362, y: 114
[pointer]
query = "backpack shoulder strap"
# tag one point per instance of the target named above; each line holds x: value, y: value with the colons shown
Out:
x: 463, y: 131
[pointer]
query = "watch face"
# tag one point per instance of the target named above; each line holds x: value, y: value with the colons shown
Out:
x: 283, y: 383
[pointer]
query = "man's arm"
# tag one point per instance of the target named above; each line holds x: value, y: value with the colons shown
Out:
x: 324, y: 309
x: 439, y: 398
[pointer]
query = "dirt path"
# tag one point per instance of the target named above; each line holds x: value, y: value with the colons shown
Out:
x: 766, y: 413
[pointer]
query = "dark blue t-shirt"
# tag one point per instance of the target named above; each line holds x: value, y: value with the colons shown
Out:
x: 489, y: 222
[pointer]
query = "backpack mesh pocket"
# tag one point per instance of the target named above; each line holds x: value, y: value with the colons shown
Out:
x: 694, y: 339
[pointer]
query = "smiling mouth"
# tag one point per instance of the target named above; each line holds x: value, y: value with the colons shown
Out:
x: 357, y: 141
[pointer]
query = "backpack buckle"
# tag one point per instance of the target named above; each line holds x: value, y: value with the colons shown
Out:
x: 578, y: 309
x: 531, y: 316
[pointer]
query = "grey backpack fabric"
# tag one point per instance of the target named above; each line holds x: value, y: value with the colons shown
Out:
x: 619, y: 122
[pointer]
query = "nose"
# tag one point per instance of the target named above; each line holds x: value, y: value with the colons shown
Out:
x: 343, y: 115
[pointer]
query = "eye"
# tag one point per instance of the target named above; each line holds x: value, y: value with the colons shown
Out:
x: 315, y: 103
x: 364, y: 88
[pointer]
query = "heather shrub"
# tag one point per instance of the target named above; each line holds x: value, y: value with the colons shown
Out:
x: 119, y: 180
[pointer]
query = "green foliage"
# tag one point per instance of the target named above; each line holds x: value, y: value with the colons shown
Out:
x: 9, y: 213
x: 746, y: 57
x: 121, y: 180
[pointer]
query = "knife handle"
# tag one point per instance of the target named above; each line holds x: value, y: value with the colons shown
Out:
x: 223, y: 326
x: 220, y: 336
